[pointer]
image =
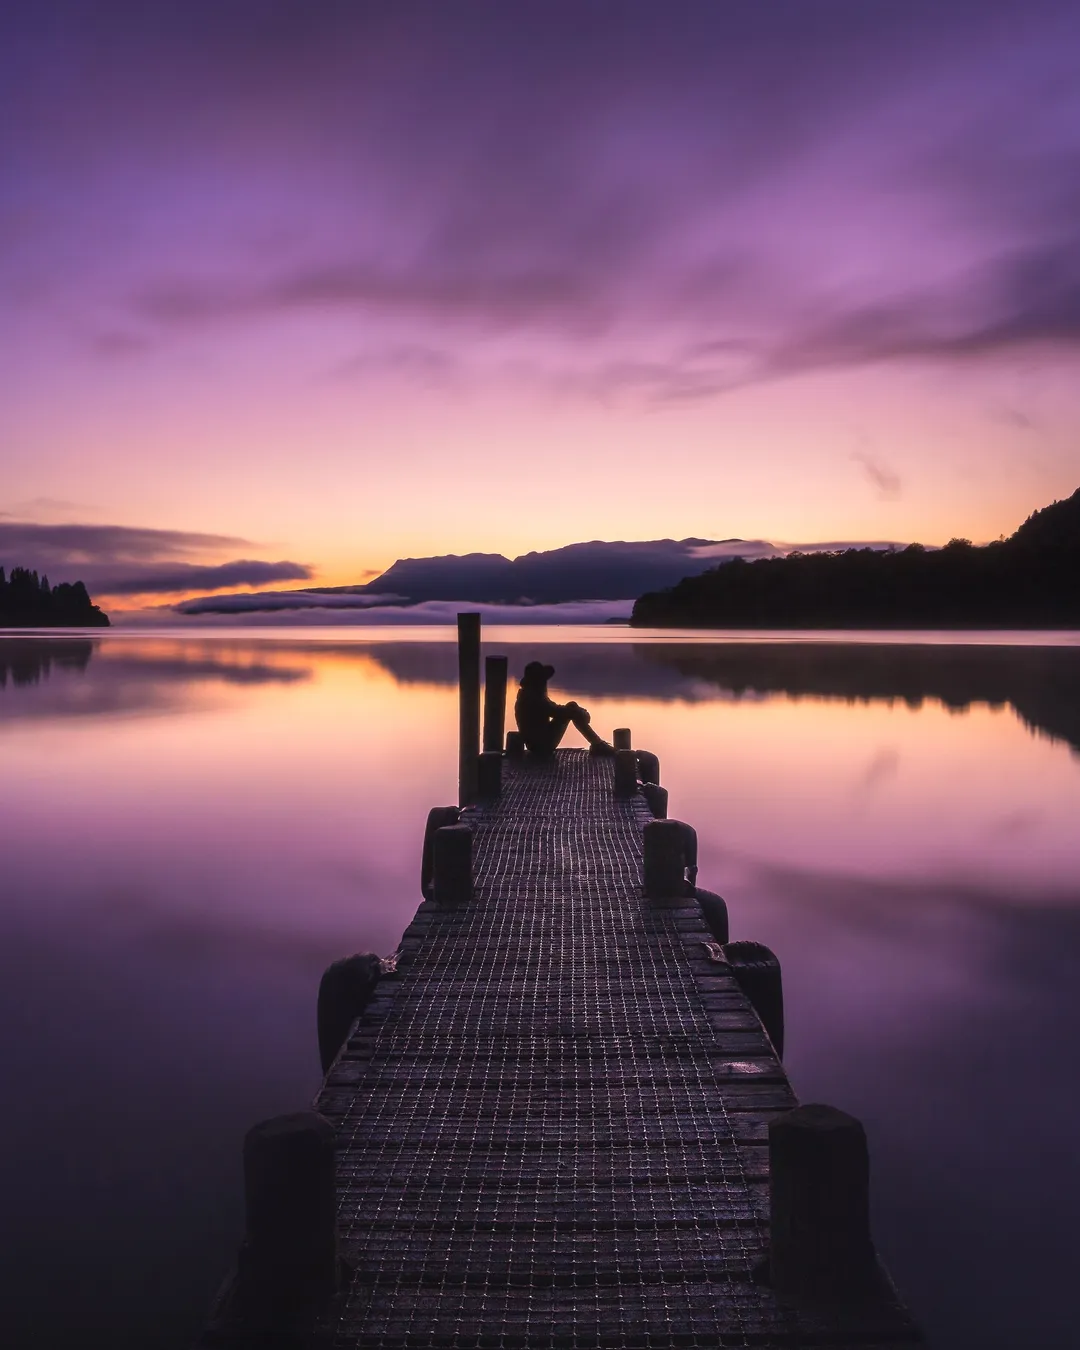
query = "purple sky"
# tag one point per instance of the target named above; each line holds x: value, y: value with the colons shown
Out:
x: 325, y: 284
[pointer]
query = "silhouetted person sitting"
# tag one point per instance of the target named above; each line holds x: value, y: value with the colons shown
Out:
x: 543, y: 722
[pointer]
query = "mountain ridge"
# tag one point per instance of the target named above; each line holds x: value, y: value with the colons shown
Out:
x: 593, y: 569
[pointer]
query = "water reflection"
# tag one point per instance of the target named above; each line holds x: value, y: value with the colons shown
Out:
x: 191, y: 828
x: 45, y: 678
x: 1039, y: 683
x: 26, y: 661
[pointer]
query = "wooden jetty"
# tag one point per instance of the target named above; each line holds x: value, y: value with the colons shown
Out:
x: 560, y: 1119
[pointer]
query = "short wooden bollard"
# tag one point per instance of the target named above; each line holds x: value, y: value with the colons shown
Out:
x: 494, y: 701
x: 626, y: 780
x: 515, y: 745
x: 489, y: 775
x: 664, y: 859
x: 757, y: 972
x: 657, y: 798
x: 620, y: 738
x: 452, y: 858
x: 344, y: 992
x: 714, y: 912
x: 648, y: 766
x: 438, y: 816
x: 290, y: 1256
x: 819, y: 1203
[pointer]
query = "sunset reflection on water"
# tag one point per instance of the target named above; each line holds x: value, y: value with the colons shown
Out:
x: 192, y: 827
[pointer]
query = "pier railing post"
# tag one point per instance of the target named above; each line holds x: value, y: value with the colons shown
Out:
x: 819, y: 1203
x: 290, y: 1255
x: 494, y: 702
x: 468, y: 626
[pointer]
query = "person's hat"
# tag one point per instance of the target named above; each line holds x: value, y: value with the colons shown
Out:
x: 536, y: 670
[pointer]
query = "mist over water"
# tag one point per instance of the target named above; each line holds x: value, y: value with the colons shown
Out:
x: 192, y: 827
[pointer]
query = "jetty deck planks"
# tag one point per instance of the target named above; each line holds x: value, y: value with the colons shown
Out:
x: 552, y: 1121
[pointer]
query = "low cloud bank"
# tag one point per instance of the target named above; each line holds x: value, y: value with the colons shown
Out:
x: 726, y: 549
x: 752, y: 549
x: 300, y: 608
x: 273, y: 601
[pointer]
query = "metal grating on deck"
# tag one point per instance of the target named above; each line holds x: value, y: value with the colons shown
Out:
x: 552, y: 1122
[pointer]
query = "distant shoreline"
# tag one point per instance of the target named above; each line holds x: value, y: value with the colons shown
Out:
x: 1030, y: 580
x: 980, y: 626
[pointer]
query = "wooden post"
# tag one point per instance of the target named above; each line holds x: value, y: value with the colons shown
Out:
x: 714, y: 912
x: 452, y: 859
x: 648, y: 766
x: 664, y: 847
x: 819, y: 1203
x: 438, y: 816
x: 344, y: 992
x: 290, y: 1256
x: 468, y: 627
x: 757, y: 971
x: 494, y: 702
x: 620, y: 738
x: 489, y: 775
x: 625, y: 781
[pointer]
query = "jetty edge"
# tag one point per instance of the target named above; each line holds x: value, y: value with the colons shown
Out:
x: 557, y: 1116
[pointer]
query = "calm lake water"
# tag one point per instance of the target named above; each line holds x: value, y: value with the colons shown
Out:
x: 192, y: 827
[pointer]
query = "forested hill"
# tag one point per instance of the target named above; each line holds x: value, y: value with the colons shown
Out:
x: 1031, y: 580
x: 28, y: 601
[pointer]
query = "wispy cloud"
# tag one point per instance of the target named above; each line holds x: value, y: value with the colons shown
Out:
x: 733, y: 198
x: 492, y: 297
x: 884, y: 479
x: 120, y: 560
x: 78, y: 542
x: 168, y: 578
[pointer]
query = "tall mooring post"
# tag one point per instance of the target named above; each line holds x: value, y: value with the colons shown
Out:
x: 494, y: 702
x: 468, y: 628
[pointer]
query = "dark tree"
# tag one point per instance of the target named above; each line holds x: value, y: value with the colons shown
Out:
x: 1031, y: 580
x: 28, y: 601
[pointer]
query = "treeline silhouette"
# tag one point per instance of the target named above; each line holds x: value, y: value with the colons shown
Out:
x: 28, y: 661
x: 28, y: 601
x: 1031, y: 580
